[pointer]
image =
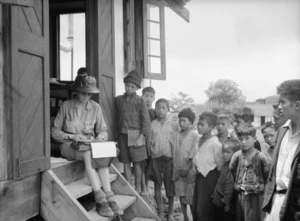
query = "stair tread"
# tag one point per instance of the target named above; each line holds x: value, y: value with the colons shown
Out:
x: 82, y: 187
x: 142, y: 219
x: 123, y: 202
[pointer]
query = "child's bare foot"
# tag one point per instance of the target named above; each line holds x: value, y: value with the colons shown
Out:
x: 171, y: 217
x: 144, y: 193
x: 161, y: 216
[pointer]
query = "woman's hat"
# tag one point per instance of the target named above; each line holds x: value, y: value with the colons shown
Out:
x: 134, y: 78
x: 85, y: 83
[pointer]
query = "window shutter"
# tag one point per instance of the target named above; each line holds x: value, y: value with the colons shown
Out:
x: 29, y: 89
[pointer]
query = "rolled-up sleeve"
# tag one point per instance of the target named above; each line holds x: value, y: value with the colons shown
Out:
x: 56, y: 132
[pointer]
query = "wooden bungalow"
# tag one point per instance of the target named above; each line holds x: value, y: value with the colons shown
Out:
x: 120, y: 35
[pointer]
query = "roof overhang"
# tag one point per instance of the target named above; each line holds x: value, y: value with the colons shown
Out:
x: 178, y: 7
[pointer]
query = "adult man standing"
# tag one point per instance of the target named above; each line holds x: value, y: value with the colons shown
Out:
x: 282, y: 193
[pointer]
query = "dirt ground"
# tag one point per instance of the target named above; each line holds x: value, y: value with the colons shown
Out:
x: 177, y: 209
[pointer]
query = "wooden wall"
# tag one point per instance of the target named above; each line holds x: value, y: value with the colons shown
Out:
x: 20, y: 200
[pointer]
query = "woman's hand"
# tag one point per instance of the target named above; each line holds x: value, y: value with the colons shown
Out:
x: 101, y: 137
x: 77, y: 137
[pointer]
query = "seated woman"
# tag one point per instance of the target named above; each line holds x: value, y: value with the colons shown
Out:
x: 81, y: 119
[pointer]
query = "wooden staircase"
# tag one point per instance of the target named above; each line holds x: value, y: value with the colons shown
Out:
x: 65, y: 183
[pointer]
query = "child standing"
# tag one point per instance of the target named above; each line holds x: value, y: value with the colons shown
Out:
x: 132, y: 128
x: 208, y: 160
x: 250, y: 169
x: 148, y: 94
x: 269, y: 132
x: 223, y: 125
x: 245, y: 115
x: 162, y: 132
x: 224, y: 190
x: 185, y: 145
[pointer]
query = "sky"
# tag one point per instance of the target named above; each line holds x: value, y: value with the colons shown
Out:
x: 255, y: 43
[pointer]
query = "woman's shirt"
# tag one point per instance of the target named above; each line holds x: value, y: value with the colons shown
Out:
x: 208, y: 156
x: 71, y: 120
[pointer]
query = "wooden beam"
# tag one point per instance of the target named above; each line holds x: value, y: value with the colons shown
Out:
x: 178, y: 9
x: 26, y: 3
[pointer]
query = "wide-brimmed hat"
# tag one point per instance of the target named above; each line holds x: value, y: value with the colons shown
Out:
x: 134, y: 78
x: 85, y: 83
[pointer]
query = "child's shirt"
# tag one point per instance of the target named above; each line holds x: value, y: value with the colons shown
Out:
x: 152, y: 114
x: 251, y: 177
x: 161, y: 138
x: 224, y: 189
x: 131, y: 114
x: 184, y: 151
x: 208, y: 156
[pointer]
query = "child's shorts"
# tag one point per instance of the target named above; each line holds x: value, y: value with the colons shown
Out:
x: 130, y: 154
x: 162, y: 172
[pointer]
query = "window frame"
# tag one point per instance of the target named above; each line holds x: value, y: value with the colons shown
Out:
x: 161, y: 22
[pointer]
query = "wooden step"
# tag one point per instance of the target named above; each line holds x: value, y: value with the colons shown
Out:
x: 69, y: 171
x: 142, y: 219
x: 123, y: 202
x: 82, y: 187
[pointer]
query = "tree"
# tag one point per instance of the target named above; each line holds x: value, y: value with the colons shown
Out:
x: 225, y: 94
x: 182, y: 100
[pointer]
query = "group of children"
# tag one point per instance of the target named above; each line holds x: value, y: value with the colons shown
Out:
x: 221, y: 176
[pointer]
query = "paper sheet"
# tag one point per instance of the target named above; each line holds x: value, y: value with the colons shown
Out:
x: 103, y: 149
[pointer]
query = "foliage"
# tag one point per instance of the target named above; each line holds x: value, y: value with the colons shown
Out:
x: 225, y: 94
x: 182, y: 100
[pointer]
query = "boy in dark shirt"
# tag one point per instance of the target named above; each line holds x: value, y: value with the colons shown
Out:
x: 132, y: 124
x: 148, y: 94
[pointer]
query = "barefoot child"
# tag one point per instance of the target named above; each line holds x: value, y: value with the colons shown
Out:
x: 208, y: 161
x: 185, y: 144
x: 224, y: 190
x: 162, y: 132
x: 250, y: 169
x: 132, y: 128
x: 148, y: 94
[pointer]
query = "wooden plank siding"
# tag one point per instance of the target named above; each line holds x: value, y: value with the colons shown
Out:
x: 100, y: 56
x: 30, y: 74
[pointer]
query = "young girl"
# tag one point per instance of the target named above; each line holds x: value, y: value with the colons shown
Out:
x: 185, y: 144
x: 224, y: 190
x: 208, y: 160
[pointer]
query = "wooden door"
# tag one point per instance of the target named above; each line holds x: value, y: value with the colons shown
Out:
x: 29, y: 90
x: 100, y: 54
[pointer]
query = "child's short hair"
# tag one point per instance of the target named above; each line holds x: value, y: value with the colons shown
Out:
x: 290, y: 89
x: 148, y: 89
x: 224, y: 116
x: 245, y: 113
x: 162, y: 100
x: 233, y: 144
x: 209, y: 117
x: 268, y: 124
x: 245, y: 130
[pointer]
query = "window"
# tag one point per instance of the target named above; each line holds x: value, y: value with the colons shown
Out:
x: 154, y: 40
x: 72, y: 53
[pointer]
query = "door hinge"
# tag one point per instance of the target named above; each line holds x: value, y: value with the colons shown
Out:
x: 18, y: 167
